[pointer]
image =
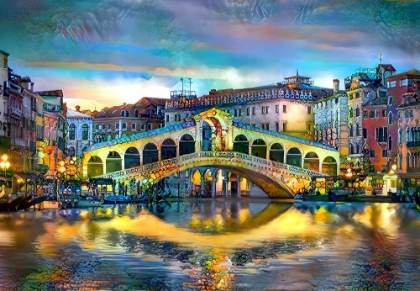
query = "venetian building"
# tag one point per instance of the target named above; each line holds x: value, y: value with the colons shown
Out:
x: 331, y: 120
x: 282, y: 107
x: 409, y: 132
x: 127, y: 119
x: 53, y: 127
x: 80, y: 132
x: 401, y: 90
x: 363, y: 87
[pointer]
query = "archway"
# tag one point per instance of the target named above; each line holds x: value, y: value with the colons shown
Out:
x: 329, y: 166
x: 311, y: 162
x: 294, y: 157
x: 208, y: 179
x: 95, y: 167
x: 150, y: 154
x: 241, y: 144
x: 277, y: 153
x: 168, y: 149
x: 186, y: 145
x: 259, y: 148
x: 220, y: 184
x: 206, y: 136
x: 195, y: 179
x: 131, y: 158
x: 113, y: 162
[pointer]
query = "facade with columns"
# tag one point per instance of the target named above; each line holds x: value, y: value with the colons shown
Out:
x: 79, y: 132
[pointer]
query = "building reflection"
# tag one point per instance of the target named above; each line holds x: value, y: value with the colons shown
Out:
x: 206, y: 238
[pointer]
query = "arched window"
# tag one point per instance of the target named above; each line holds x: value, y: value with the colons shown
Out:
x: 351, y: 112
x: 390, y: 100
x: 389, y: 117
x: 407, y: 135
x: 85, y: 132
x: 350, y: 130
x: 72, y: 132
x: 389, y: 143
x: 357, y: 111
x: 357, y: 149
x: 357, y: 129
x: 351, y: 149
x: 136, y: 113
x: 399, y: 135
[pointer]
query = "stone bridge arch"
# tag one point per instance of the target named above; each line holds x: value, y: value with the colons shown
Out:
x: 272, y: 177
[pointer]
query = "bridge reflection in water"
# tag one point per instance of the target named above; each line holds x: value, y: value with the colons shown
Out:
x: 222, y: 245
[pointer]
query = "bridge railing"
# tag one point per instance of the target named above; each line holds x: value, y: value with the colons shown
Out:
x: 214, y: 154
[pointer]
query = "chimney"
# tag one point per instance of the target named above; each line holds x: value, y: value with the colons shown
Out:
x: 77, y: 108
x: 336, y: 85
x: 32, y: 86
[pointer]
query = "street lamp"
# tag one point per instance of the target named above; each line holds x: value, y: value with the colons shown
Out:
x: 393, y: 169
x: 5, y: 164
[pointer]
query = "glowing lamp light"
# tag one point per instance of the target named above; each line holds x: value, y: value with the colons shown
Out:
x: 394, y: 167
x: 62, y: 163
x: 41, y: 155
x: 62, y: 169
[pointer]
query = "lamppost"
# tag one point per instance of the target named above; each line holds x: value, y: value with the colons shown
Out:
x: 5, y: 164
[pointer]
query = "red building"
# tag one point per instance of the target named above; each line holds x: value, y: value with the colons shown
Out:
x: 398, y: 86
x: 375, y: 133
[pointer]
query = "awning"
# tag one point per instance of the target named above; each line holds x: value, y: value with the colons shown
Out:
x: 25, y: 176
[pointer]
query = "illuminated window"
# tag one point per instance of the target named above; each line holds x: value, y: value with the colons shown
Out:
x: 264, y: 109
x: 284, y: 109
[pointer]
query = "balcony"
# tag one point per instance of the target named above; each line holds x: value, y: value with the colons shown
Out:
x: 19, y: 142
x: 413, y: 170
x: 381, y: 139
x: 413, y: 144
x: 51, y: 107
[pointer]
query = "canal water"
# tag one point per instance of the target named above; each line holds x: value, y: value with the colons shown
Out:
x: 213, y: 245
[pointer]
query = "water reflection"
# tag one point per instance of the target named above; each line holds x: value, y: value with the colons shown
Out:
x: 218, y: 245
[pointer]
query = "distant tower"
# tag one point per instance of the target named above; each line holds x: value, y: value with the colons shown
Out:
x: 380, y: 58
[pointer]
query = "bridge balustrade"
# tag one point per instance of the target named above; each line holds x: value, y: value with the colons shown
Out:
x: 216, y: 154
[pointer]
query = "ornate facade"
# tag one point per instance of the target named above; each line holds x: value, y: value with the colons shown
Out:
x: 283, y: 107
x: 331, y: 120
x: 79, y: 132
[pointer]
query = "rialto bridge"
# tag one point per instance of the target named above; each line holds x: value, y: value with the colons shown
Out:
x: 216, y: 149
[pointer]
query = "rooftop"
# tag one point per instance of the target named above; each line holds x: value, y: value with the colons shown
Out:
x: 77, y: 114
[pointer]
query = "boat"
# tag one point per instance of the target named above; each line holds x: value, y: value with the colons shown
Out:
x: 121, y: 199
x: 298, y: 197
x: 89, y: 201
x: 48, y: 204
x: 10, y: 204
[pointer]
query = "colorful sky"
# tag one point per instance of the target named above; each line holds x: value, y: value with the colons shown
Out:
x: 104, y: 53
